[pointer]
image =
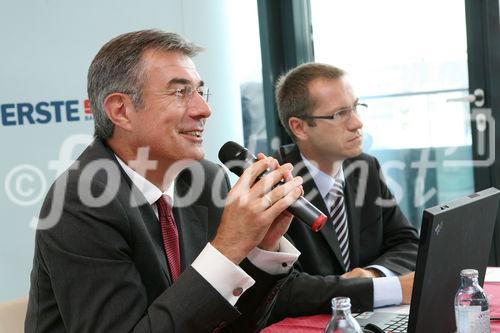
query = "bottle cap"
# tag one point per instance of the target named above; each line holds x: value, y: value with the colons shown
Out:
x: 471, y: 273
x: 341, y: 303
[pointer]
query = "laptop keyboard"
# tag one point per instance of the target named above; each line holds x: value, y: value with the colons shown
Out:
x: 397, y: 325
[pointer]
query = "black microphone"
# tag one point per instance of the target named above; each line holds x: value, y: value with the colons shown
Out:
x: 237, y: 158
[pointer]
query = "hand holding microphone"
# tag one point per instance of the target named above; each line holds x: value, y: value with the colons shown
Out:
x: 238, y: 158
x: 254, y: 215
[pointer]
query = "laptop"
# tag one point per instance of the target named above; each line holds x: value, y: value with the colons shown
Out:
x: 454, y: 236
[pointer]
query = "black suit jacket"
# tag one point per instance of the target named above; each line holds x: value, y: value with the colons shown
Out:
x: 103, y: 269
x: 378, y: 235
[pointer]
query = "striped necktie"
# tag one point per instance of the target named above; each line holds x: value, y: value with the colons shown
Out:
x: 339, y: 219
x: 170, y: 236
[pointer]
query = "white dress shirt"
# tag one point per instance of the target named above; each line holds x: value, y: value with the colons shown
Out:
x: 227, y: 278
x: 387, y: 289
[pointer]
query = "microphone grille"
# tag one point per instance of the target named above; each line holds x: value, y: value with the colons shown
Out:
x: 230, y: 151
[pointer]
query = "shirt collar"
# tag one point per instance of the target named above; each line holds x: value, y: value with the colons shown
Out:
x: 148, y: 189
x: 323, y: 181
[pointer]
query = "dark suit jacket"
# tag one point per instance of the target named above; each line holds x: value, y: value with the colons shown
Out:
x: 378, y: 235
x: 103, y: 269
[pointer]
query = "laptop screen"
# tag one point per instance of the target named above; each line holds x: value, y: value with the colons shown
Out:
x: 454, y: 236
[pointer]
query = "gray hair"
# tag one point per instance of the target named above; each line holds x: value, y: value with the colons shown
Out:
x: 292, y: 91
x: 118, y: 68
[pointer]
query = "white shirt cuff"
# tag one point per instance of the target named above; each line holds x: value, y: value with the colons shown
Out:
x: 387, y: 291
x: 227, y: 278
x: 385, y: 271
x: 275, y: 262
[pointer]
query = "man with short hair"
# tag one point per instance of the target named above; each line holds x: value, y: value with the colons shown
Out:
x: 368, y: 249
x: 139, y: 242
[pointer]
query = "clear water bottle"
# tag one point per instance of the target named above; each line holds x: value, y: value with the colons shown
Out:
x: 342, y: 321
x: 472, y: 312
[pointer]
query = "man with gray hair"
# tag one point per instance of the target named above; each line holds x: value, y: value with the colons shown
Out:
x: 368, y: 249
x: 143, y: 241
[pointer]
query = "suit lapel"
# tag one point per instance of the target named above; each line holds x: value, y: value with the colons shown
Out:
x: 147, y: 213
x: 192, y: 224
x: 314, y: 196
x: 353, y: 212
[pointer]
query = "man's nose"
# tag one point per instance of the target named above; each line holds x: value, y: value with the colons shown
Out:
x: 355, y: 122
x: 198, y: 106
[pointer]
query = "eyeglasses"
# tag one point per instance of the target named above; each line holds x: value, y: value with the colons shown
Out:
x: 183, y: 95
x: 343, y: 114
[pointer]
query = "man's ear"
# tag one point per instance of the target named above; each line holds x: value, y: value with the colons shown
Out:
x: 298, y: 128
x: 118, y: 107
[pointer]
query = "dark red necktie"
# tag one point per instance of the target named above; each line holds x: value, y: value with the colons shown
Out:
x: 170, y: 235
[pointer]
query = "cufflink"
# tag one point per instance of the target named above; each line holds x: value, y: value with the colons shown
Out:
x: 237, y: 291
